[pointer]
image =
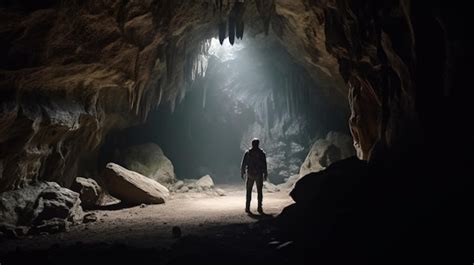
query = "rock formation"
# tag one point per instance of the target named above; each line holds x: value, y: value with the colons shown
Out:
x: 324, y: 152
x: 43, y: 207
x: 89, y: 191
x: 72, y: 73
x: 131, y: 187
x: 149, y: 160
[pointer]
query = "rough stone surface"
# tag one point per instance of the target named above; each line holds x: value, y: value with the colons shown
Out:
x: 205, y: 182
x: 90, y: 192
x: 45, y: 207
x: 324, y: 152
x: 149, y: 160
x: 178, y: 185
x: 132, y: 187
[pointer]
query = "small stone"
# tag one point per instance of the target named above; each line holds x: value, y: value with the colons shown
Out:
x: 220, y: 192
x: 90, y: 217
x: 143, y: 205
x: 176, y: 232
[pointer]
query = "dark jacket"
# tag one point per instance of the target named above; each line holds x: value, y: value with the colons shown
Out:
x: 254, y: 163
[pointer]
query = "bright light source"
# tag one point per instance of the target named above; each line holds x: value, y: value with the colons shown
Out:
x: 226, y: 51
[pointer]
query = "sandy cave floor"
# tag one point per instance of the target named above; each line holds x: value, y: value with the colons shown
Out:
x: 196, y: 214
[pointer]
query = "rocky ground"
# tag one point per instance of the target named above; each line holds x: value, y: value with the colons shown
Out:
x: 189, y: 226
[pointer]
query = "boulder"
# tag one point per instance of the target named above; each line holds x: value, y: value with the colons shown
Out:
x: 89, y: 191
x: 132, y: 187
x: 335, y: 181
x: 324, y: 152
x: 205, y: 182
x: 45, y: 206
x: 149, y: 160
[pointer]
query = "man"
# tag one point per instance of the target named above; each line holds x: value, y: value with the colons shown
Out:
x: 254, y: 164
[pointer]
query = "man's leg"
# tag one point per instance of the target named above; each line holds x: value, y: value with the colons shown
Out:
x: 259, y: 182
x: 249, y: 185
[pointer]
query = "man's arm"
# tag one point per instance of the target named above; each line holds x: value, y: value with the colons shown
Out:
x: 265, y: 172
x: 243, y: 166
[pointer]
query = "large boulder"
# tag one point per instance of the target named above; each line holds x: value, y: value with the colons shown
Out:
x: 149, y: 160
x: 132, y: 187
x: 334, y: 181
x: 324, y: 152
x: 38, y: 207
x: 90, y: 192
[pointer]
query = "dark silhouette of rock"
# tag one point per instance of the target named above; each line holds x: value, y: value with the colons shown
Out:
x: 329, y: 182
x: 132, y: 187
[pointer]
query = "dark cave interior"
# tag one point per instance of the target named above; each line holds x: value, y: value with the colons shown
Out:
x: 123, y: 119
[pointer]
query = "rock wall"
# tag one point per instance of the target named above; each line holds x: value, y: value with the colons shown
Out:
x: 73, y: 71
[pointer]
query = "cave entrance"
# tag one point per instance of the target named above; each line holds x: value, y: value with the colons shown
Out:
x: 253, y: 88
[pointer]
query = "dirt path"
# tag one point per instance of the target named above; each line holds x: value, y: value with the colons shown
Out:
x: 150, y: 226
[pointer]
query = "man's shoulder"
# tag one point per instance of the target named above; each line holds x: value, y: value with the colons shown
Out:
x: 259, y: 150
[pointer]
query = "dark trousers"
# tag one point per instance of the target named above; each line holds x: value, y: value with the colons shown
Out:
x: 258, y: 180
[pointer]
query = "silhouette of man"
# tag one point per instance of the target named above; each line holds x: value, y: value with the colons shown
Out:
x: 254, y: 164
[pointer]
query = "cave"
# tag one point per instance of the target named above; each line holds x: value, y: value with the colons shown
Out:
x: 124, y: 123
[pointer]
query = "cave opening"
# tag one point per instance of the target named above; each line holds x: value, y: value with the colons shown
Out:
x: 123, y: 124
x: 251, y: 89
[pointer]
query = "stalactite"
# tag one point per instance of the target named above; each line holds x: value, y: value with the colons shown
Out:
x: 160, y: 94
x: 265, y: 8
x: 231, y: 29
x: 240, y: 29
x: 222, y: 31
x: 204, y: 97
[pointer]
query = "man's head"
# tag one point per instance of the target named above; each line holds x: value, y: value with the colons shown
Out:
x: 255, y: 143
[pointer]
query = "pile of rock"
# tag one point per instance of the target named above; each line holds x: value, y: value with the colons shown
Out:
x: 204, y: 184
x: 42, y: 208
